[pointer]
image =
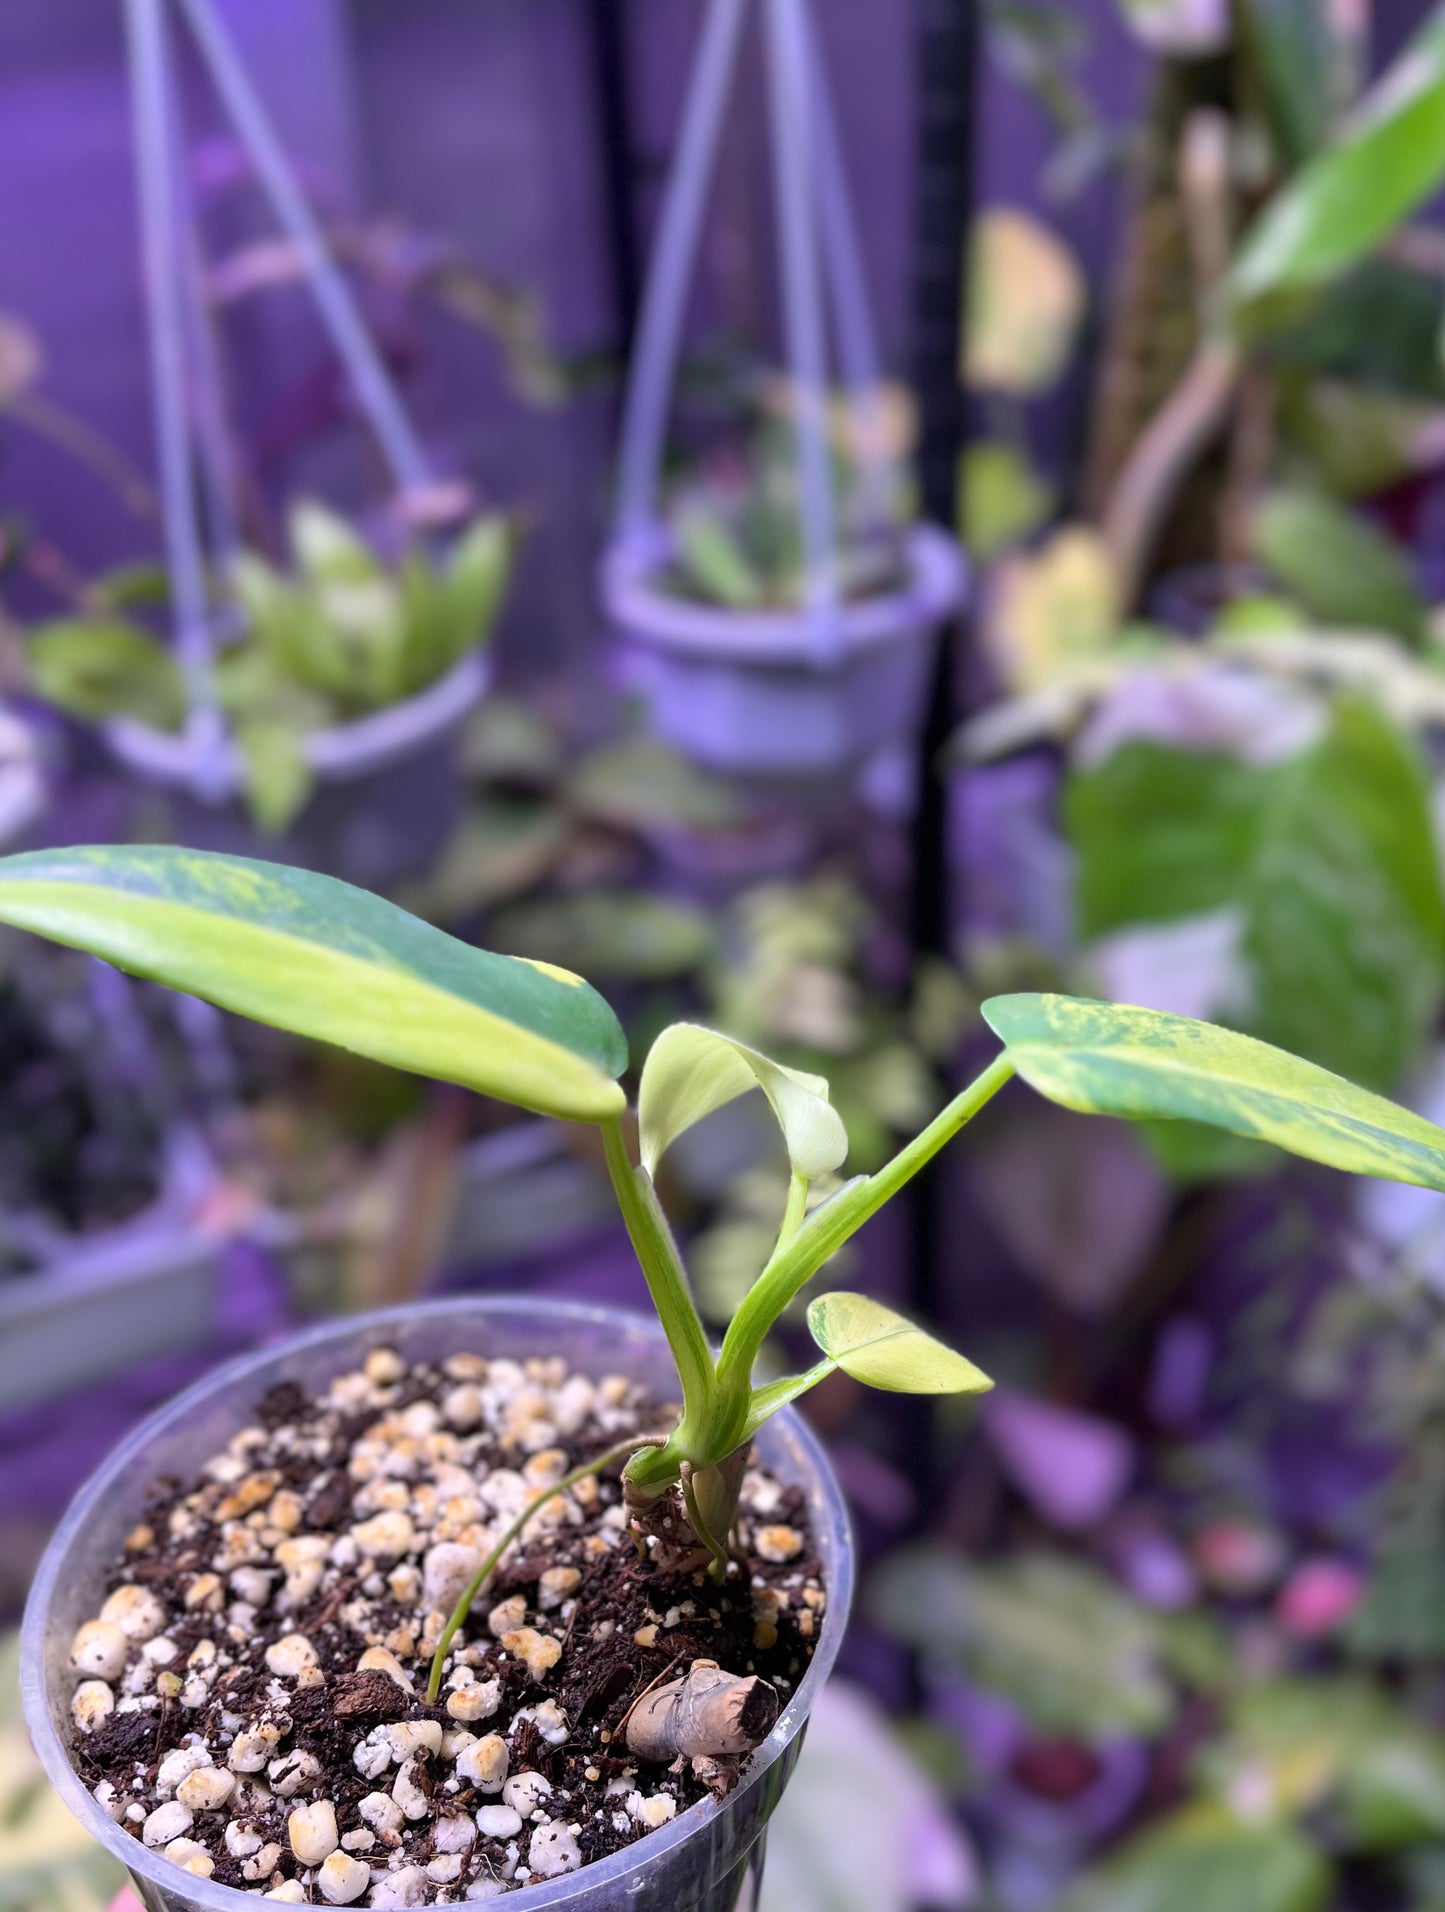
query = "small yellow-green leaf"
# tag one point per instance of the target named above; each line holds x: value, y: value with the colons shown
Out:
x: 1026, y: 298
x: 326, y: 548
x: 100, y: 668
x: 882, y: 1349
x: 311, y: 954
x: 692, y: 1071
x: 1111, y: 1059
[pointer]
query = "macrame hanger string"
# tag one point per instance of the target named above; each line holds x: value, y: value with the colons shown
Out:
x: 792, y: 96
x: 162, y: 254
x: 669, y: 277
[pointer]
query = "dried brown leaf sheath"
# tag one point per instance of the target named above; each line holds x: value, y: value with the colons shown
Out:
x: 707, y: 1715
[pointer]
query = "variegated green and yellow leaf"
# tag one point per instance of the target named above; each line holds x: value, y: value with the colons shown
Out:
x: 1110, y: 1059
x: 311, y: 954
x: 883, y: 1350
x: 691, y: 1071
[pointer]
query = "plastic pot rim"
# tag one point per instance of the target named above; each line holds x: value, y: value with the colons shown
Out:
x: 336, y: 753
x: 615, y: 1871
x: 634, y: 598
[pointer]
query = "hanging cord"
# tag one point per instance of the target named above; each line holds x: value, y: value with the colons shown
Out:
x: 794, y: 136
x: 375, y: 393
x: 848, y: 290
x: 654, y: 359
x: 165, y: 304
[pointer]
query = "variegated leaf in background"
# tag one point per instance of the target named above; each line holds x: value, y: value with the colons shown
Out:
x: 1110, y: 1059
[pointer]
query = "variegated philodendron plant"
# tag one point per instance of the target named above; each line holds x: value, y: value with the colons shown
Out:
x: 310, y: 954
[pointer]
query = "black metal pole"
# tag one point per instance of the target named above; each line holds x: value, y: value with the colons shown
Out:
x: 946, y: 39
x: 946, y: 43
x: 608, y: 19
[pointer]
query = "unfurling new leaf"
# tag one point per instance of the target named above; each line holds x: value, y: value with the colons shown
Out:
x: 691, y: 1071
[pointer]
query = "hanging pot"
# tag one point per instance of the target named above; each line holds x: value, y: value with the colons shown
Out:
x: 748, y: 692
x: 388, y: 791
x: 96, y: 1304
x: 708, y: 1859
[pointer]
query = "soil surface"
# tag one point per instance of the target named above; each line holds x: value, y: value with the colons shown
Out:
x: 250, y: 1697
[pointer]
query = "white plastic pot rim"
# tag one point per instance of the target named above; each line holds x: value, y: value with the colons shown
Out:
x: 339, y: 754
x: 638, y: 605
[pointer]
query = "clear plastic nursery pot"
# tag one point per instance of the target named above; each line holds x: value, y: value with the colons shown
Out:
x: 708, y: 1859
x: 388, y: 790
x: 746, y: 691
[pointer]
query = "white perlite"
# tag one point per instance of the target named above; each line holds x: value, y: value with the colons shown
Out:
x: 171, y: 1821
x: 136, y: 1611
x: 401, y: 1889
x: 92, y: 1705
x: 207, y: 1789
x: 343, y: 1879
x: 499, y: 1822
x: 484, y: 1764
x: 524, y: 1792
x: 408, y: 1794
x: 291, y: 1656
x: 99, y: 1650
x: 179, y: 1765
x: 312, y: 1832
x: 476, y: 1701
x: 554, y: 1850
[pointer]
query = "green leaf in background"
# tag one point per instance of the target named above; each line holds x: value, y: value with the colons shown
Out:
x: 1340, y: 205
x: 714, y: 562
x: 614, y: 933
x: 1056, y: 608
x: 504, y: 847
x: 1053, y: 1635
x: 1295, y: 1746
x: 325, y: 547
x: 97, y: 669
x: 883, y: 1350
x: 1326, y: 860
x: 642, y: 785
x: 133, y: 587
x: 278, y: 772
x: 1025, y: 302
x: 1161, y: 833
x: 476, y: 578
x: 313, y: 955
x: 1378, y: 328
x: 691, y: 1071
x: 1359, y: 440
x: 1109, y: 1059
x: 1341, y: 569
x: 1301, y: 57
x: 1001, y: 499
x: 1206, y: 1861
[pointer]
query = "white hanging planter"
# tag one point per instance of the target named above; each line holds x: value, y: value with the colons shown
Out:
x: 388, y: 791
x: 745, y: 692
x: 97, y: 1304
x: 817, y: 689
